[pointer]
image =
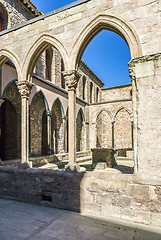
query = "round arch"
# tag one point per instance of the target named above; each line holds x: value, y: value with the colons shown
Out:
x: 105, y: 22
x: 39, y: 46
x: 5, y: 55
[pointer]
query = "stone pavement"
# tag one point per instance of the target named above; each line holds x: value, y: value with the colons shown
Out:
x: 33, y: 222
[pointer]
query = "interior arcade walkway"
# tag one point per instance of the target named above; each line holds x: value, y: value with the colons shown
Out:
x: 23, y: 221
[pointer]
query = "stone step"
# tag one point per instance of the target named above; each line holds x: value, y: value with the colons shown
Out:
x: 120, y: 158
x: 125, y: 163
x: 84, y: 159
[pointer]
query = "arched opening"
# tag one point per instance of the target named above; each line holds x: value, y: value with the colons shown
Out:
x: 57, y: 134
x: 106, y: 45
x: 107, y: 55
x: 38, y: 126
x: 49, y: 66
x: 3, y: 18
x: 104, y: 130
x: 9, y: 92
x: 35, y: 61
x: 123, y: 132
x: 8, y: 134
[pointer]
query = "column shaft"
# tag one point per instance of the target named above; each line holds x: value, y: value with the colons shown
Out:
x: 72, y: 78
x: 49, y: 131
x: 24, y: 88
x: 72, y: 127
x: 113, y: 136
x: 24, y: 131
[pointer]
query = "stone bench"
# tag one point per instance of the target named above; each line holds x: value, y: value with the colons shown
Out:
x: 103, y: 157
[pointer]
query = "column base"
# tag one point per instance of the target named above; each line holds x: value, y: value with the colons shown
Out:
x: 24, y: 165
x: 72, y: 167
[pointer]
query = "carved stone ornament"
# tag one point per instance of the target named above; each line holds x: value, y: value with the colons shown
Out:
x: 24, y: 88
x: 71, y: 78
x: 132, y: 73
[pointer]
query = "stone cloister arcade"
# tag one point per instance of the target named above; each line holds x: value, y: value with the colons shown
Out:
x: 47, y: 128
x: 24, y: 44
x: 43, y: 114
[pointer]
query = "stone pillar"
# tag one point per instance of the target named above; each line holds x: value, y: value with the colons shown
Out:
x: 72, y: 78
x: 48, y: 114
x: 24, y: 88
x: 133, y: 79
x: 145, y: 72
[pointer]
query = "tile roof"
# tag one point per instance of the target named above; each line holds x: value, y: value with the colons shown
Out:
x: 31, y: 7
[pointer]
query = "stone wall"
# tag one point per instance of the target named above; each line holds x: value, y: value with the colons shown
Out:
x: 117, y: 93
x: 17, y: 13
x: 57, y: 135
x: 105, y: 194
x: 104, y: 131
x: 122, y: 130
x: 117, y: 111
x: 36, y: 114
x: 90, y: 77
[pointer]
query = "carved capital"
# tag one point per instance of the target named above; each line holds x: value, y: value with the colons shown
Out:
x: 24, y: 88
x: 132, y: 73
x: 71, y: 78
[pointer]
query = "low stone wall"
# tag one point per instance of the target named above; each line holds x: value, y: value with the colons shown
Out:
x: 99, y: 193
x: 49, y: 158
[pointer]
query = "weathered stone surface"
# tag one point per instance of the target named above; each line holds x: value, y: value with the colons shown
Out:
x: 118, y: 197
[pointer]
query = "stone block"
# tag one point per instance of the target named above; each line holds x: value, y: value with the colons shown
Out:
x: 103, y: 155
x: 136, y: 216
x: 110, y: 211
x: 138, y: 191
x: 144, y: 69
x: 156, y: 219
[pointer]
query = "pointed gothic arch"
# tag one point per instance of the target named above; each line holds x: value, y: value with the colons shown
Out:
x: 39, y: 46
x: 105, y: 22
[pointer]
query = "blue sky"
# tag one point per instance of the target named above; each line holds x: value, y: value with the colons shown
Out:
x: 107, y: 54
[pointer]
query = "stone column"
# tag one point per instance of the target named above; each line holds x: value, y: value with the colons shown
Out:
x: 72, y: 78
x: 113, y: 134
x: 24, y: 88
x: 48, y: 114
x: 64, y: 124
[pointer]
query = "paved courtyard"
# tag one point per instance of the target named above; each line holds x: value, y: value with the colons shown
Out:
x: 33, y: 222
